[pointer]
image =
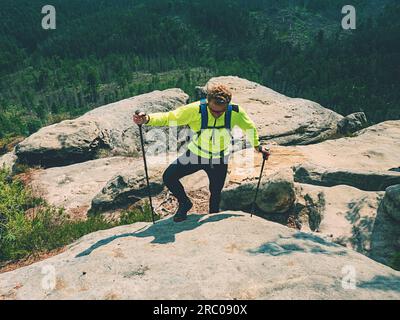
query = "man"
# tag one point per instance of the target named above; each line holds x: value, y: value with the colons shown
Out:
x: 211, y: 120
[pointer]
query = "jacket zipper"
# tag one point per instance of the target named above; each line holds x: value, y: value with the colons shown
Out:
x: 212, y: 138
x: 212, y: 133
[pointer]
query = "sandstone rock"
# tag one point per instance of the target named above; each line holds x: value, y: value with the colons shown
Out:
x: 353, y: 218
x: 124, y: 190
x: 345, y: 214
x: 101, y: 185
x: 224, y: 256
x: 74, y: 187
x: 352, y: 123
x: 375, y: 148
x: 310, y: 208
x: 200, y: 93
x: 287, y: 121
x: 385, y: 237
x: 68, y: 142
x: 108, y: 128
x: 391, y: 202
x: 364, y: 180
x: 239, y: 197
x: 8, y: 161
x: 276, y: 194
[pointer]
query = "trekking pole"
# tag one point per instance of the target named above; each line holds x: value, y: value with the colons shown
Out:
x: 145, y: 167
x: 258, y: 186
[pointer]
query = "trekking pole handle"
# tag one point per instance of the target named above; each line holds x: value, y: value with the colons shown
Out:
x: 141, y: 113
x: 265, y: 155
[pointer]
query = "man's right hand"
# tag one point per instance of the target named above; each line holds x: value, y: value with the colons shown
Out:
x: 141, y: 118
x: 266, y: 152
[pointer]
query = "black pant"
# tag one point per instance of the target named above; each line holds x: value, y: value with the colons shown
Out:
x: 190, y: 163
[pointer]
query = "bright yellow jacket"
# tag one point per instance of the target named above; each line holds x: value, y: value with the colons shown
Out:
x: 212, y: 142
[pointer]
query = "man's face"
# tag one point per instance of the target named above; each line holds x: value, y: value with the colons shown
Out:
x: 216, y: 110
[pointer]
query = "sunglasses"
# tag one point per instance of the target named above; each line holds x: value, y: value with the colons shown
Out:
x: 220, y: 100
x: 217, y: 111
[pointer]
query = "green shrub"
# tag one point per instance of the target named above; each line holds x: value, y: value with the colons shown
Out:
x: 29, y: 225
x: 133, y: 216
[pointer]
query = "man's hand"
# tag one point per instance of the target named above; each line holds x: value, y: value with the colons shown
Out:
x: 140, y: 118
x: 266, y: 152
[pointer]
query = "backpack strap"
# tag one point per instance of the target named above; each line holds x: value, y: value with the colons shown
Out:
x: 235, y: 108
x: 204, y: 114
x: 228, y: 118
x: 228, y: 115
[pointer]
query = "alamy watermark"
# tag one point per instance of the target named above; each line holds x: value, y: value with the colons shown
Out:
x: 349, y: 21
x: 164, y: 146
x: 349, y: 279
x: 49, y: 279
x: 49, y: 20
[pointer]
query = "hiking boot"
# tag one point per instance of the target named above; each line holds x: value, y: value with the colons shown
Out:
x: 183, y: 209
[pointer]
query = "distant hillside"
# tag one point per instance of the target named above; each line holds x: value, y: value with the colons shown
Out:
x: 104, y: 51
x: 296, y: 22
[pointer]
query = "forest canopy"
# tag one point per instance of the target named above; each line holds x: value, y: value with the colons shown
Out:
x: 104, y: 51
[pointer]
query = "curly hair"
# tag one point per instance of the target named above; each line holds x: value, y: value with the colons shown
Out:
x: 219, y: 93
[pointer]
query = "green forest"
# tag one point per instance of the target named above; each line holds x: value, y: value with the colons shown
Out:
x: 107, y: 50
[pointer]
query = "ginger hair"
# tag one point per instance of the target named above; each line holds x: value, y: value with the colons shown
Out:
x: 220, y: 94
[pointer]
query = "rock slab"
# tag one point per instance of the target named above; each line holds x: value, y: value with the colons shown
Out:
x: 223, y: 256
x: 108, y: 129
